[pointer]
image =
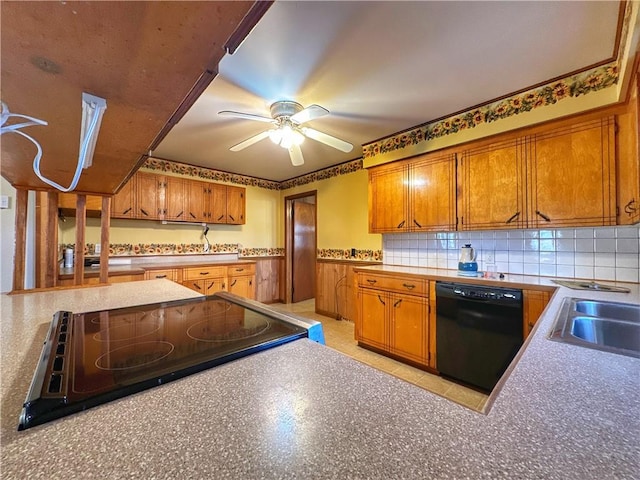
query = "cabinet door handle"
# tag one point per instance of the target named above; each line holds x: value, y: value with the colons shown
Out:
x: 126, y: 211
x: 232, y: 219
x: 204, y: 273
x: 234, y: 282
x: 220, y: 217
x: 381, y: 300
x: 417, y: 224
x: 409, y: 286
x: 145, y: 213
x: 371, y: 281
x: 397, y: 303
x: 192, y: 215
x: 401, y: 224
x: 630, y: 207
x: 161, y: 276
x: 210, y: 285
x: 539, y: 213
x: 250, y: 282
x: 513, y: 217
x: 179, y: 215
x: 197, y: 286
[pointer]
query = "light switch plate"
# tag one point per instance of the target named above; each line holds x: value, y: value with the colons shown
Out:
x: 4, y: 201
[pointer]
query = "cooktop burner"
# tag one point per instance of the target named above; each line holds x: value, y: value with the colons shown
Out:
x: 91, y: 358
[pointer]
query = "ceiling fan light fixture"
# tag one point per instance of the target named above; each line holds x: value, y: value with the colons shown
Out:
x: 285, y: 136
x: 275, y: 135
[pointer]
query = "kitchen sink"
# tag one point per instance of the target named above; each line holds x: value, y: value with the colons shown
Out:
x: 610, y: 326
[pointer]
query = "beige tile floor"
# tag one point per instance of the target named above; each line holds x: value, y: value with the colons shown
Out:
x: 339, y: 336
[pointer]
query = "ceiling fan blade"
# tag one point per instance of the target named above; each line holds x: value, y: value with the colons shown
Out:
x: 310, y: 113
x: 248, y: 116
x: 296, y: 155
x: 250, y: 141
x: 327, y: 139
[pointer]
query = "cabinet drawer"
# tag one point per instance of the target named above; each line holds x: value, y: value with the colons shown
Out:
x: 196, y: 273
x: 411, y: 285
x: 244, y: 269
x: 169, y: 274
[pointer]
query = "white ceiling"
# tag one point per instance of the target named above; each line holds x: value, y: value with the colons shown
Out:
x: 380, y: 68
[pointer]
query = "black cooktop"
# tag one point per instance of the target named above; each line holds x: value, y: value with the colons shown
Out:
x: 91, y: 358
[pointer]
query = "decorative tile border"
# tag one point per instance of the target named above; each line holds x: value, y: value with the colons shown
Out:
x: 337, y: 254
x: 580, y: 84
x: 128, y: 249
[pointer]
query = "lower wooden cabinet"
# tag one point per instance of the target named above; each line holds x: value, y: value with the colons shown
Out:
x: 241, y: 280
x: 534, y: 302
x: 269, y: 272
x: 394, y: 322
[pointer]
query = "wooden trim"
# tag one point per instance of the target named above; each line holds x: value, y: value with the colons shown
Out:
x: 22, y: 200
x: 51, y: 234
x: 81, y: 224
x: 105, y: 224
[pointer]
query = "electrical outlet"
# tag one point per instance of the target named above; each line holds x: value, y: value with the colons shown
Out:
x: 489, y: 258
x: 4, y: 201
x: 96, y: 249
x: 353, y: 252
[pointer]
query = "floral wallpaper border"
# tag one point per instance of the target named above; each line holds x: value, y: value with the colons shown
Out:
x: 129, y: 249
x: 580, y: 84
x: 159, y: 165
x: 338, y: 254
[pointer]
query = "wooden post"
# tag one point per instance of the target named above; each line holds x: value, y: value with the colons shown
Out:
x: 22, y: 199
x: 81, y: 224
x: 51, y: 232
x: 105, y: 223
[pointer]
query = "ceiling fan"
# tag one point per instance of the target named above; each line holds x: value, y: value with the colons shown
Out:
x: 288, y: 117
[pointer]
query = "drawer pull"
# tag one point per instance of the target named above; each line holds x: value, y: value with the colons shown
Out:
x: 408, y: 286
x: 397, y: 303
x: 204, y: 273
x: 371, y: 281
x: 381, y: 300
x: 161, y: 276
x: 239, y: 269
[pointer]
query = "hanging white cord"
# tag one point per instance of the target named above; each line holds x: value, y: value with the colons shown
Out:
x: 36, y: 160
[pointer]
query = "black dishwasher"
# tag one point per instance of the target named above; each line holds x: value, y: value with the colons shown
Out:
x: 478, y: 331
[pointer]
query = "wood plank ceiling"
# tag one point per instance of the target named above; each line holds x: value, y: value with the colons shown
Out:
x: 144, y: 58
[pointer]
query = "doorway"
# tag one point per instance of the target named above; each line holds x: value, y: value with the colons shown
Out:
x: 300, y: 246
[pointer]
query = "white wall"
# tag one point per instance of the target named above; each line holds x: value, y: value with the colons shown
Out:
x: 8, y: 239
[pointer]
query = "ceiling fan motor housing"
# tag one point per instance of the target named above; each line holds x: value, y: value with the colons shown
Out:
x: 285, y: 108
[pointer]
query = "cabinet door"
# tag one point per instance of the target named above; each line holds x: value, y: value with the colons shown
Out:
x: 534, y: 302
x: 149, y: 196
x: 492, y: 180
x: 197, y: 285
x: 218, y: 203
x: 628, y: 171
x: 123, y: 204
x: 388, y: 199
x: 212, y: 285
x: 268, y: 280
x: 196, y: 202
x: 372, y: 315
x: 409, y: 332
x: 175, y: 199
x: 243, y: 286
x: 236, y: 205
x: 572, y: 176
x: 432, y: 186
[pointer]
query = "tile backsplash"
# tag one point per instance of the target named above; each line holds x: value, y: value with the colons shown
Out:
x: 606, y: 253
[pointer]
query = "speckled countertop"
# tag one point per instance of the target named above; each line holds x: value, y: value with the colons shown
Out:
x: 305, y: 411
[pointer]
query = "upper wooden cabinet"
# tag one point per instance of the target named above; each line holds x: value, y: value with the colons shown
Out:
x: 492, y: 186
x: 628, y: 166
x: 175, y: 199
x: 416, y: 195
x: 149, y: 196
x: 123, y: 202
x: 571, y: 176
x: 162, y: 197
x: 388, y: 202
